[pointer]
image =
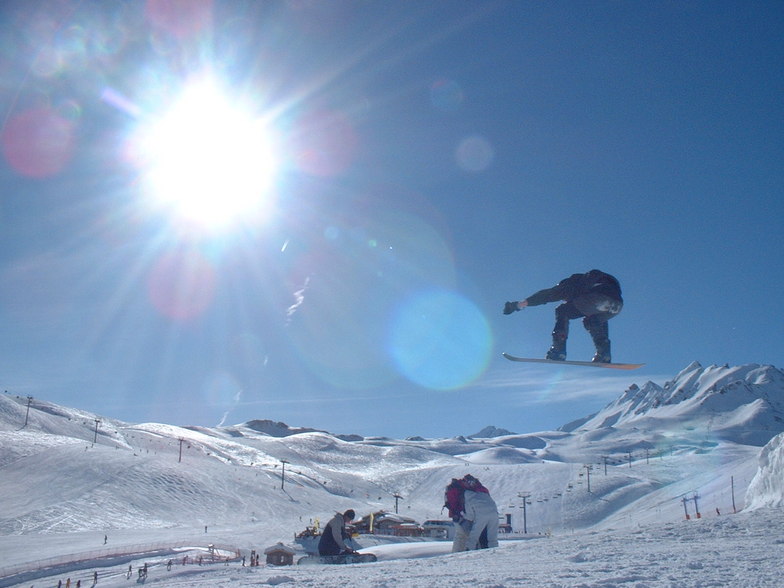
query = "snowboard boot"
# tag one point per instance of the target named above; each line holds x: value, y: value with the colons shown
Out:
x: 602, y: 354
x: 555, y: 354
x: 601, y: 340
x: 557, y: 351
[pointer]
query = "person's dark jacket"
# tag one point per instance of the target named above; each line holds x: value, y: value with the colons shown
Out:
x: 578, y: 285
x: 333, y: 538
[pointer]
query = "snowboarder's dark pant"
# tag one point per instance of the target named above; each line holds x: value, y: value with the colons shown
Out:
x: 596, y: 309
x: 327, y: 544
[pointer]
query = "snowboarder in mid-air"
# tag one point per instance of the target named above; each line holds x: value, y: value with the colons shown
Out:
x: 593, y: 296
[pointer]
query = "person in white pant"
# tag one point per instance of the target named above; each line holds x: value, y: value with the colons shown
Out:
x: 482, y: 511
x: 462, y: 529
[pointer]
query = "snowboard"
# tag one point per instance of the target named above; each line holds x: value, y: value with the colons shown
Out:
x: 614, y: 366
x: 348, y: 558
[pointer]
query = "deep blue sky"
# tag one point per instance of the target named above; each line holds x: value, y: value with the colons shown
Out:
x: 435, y: 159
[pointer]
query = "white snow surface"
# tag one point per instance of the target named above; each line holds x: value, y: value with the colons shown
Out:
x: 607, y: 496
x: 767, y: 487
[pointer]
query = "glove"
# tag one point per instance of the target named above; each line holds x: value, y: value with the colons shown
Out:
x: 511, y: 307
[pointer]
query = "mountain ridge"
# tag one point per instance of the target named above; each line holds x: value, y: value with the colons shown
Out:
x: 741, y: 403
x: 157, y: 475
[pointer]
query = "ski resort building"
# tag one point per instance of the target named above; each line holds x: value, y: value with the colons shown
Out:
x: 387, y: 523
x: 439, y: 529
x: 280, y: 555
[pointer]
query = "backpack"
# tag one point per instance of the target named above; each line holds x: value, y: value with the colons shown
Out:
x: 453, y: 495
x: 453, y: 499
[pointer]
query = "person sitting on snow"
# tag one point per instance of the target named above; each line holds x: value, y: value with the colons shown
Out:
x: 333, y: 539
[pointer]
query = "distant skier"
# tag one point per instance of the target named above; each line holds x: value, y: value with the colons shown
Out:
x: 333, y: 539
x: 595, y: 296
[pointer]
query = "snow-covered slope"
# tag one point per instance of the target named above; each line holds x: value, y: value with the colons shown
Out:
x: 692, y: 445
x: 767, y: 487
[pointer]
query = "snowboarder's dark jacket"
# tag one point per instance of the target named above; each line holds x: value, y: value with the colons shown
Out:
x: 577, y: 285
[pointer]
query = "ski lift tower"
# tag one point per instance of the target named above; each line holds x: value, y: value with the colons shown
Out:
x: 397, y: 498
x: 525, y: 496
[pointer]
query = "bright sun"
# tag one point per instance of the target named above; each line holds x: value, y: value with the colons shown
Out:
x: 208, y: 162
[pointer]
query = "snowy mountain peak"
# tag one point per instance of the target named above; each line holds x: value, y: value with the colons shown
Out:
x: 740, y: 403
x: 275, y: 429
x: 280, y: 429
x: 692, y: 367
x: 490, y: 432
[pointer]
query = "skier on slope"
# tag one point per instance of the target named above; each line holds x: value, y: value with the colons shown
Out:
x: 333, y: 538
x: 595, y: 296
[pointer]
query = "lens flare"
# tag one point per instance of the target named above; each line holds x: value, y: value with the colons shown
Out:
x: 474, y: 154
x: 181, y: 285
x: 340, y: 318
x: 440, y: 340
x: 324, y: 144
x: 180, y: 18
x: 446, y: 95
x: 38, y: 142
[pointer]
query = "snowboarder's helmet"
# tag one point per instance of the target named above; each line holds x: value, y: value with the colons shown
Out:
x: 349, y: 514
